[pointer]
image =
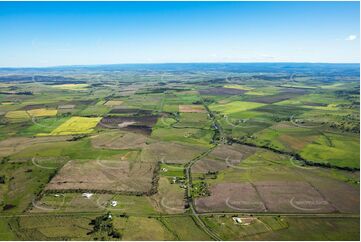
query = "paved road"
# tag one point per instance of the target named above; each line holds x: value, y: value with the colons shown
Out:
x: 188, y: 174
x: 156, y: 215
x: 198, y: 220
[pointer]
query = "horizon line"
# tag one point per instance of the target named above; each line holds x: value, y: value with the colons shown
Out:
x: 167, y: 63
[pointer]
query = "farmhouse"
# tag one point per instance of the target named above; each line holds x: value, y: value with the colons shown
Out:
x: 87, y: 194
x: 242, y: 221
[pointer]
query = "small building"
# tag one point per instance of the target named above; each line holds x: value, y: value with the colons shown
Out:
x: 164, y: 169
x: 113, y: 203
x: 243, y: 221
x: 87, y: 194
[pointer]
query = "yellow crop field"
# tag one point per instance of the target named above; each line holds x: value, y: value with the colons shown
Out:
x: 235, y: 106
x: 7, y: 103
x: 42, y: 112
x: 76, y: 125
x: 17, y: 115
x: 236, y: 86
x: 113, y: 103
x: 72, y: 86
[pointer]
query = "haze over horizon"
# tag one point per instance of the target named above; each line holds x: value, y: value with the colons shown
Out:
x: 41, y: 34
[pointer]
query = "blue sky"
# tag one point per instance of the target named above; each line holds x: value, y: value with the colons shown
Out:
x: 68, y: 33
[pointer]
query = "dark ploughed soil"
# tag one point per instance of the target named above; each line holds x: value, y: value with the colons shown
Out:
x: 130, y: 111
x: 142, y: 124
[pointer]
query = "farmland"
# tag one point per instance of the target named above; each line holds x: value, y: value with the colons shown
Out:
x: 76, y: 125
x: 180, y: 152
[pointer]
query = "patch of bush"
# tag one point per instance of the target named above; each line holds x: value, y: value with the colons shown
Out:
x: 103, y: 228
x: 8, y: 207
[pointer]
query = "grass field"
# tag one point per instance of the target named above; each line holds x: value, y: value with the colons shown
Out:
x: 190, y: 120
x: 335, y: 149
x: 314, y: 229
x: 184, y: 228
x: 195, y: 136
x: 274, y: 228
x: 229, y: 230
x: 54, y: 228
x: 24, y: 177
x: 73, y: 202
x: 141, y: 228
x: 5, y: 232
x: 233, y: 107
x: 43, y: 125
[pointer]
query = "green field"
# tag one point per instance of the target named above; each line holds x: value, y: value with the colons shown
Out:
x: 233, y: 107
x: 336, y: 149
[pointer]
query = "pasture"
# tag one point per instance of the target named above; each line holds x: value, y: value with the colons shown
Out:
x: 184, y: 228
x: 314, y: 229
x: 142, y: 228
x: 234, y: 107
x: 53, y: 228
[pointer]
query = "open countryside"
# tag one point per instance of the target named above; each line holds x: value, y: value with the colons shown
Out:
x: 165, y: 152
x: 180, y: 121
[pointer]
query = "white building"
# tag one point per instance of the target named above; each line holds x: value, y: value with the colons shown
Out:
x: 87, y: 194
x: 242, y: 221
